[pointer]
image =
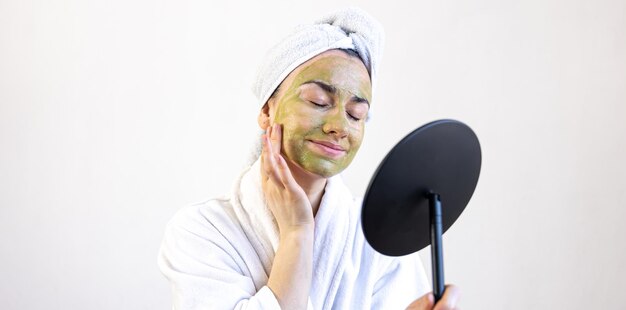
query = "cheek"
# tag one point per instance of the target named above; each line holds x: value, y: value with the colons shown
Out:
x: 356, y: 134
x: 303, y: 123
x: 296, y: 128
x: 297, y: 124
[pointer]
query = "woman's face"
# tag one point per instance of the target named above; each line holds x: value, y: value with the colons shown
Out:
x: 322, y: 107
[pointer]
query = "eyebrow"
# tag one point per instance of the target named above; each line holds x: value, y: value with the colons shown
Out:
x: 333, y: 90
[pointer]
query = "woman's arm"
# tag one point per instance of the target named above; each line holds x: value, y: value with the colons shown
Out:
x: 290, y: 278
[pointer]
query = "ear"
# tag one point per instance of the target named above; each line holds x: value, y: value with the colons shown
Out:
x: 264, y: 116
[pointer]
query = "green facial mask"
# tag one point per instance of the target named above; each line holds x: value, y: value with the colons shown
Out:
x: 304, y: 122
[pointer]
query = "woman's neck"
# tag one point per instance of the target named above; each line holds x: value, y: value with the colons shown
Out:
x: 312, y: 184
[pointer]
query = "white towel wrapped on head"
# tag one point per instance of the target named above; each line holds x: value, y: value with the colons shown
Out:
x: 350, y: 28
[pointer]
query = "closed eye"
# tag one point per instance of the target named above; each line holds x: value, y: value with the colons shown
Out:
x: 318, y: 104
x: 353, y: 118
x: 357, y: 111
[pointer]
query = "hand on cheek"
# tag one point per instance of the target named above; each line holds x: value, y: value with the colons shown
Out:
x: 285, y: 198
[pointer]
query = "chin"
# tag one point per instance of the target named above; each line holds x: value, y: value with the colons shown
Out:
x: 325, y: 174
x: 324, y: 171
x: 324, y: 168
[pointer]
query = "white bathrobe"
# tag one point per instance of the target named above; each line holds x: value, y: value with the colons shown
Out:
x: 218, y: 255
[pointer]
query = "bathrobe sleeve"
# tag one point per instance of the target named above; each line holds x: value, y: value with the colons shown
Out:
x: 403, y: 281
x: 205, y: 269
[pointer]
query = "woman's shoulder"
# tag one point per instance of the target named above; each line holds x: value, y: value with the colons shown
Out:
x: 205, y: 235
x: 210, y: 218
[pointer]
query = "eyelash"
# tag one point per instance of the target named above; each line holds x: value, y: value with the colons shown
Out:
x: 324, y: 105
x: 354, y: 118
x: 317, y: 104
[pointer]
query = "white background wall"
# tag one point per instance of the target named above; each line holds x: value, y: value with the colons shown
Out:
x: 114, y: 114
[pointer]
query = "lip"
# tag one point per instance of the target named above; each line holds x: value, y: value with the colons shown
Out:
x: 328, y: 148
x: 331, y: 145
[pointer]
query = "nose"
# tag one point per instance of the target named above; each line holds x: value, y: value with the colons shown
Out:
x: 336, y: 124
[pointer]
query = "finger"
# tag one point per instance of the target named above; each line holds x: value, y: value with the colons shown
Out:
x: 276, y: 138
x: 265, y: 166
x: 267, y: 147
x: 271, y: 165
x: 425, y: 302
x: 285, y: 174
x: 449, y: 299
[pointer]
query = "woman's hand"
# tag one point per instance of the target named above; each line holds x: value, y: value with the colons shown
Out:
x: 292, y: 269
x: 285, y: 198
x: 447, y: 302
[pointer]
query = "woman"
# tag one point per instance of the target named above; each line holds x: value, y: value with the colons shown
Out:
x: 289, y: 237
